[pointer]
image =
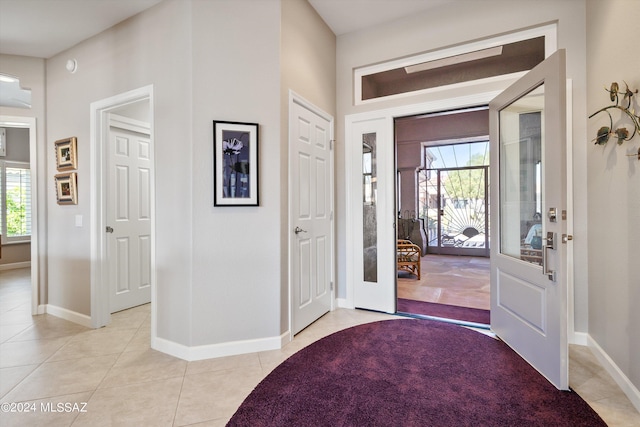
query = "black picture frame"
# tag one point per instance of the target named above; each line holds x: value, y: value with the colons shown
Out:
x: 235, y: 163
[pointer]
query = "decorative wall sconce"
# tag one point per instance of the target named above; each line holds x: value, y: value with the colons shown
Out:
x: 622, y: 133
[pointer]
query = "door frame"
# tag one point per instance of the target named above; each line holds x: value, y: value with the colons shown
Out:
x: 352, y: 175
x: 295, y: 98
x: 444, y: 250
x: 390, y: 114
x: 99, y: 133
x: 30, y: 123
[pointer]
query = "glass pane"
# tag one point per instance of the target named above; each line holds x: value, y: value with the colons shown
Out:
x: 428, y: 202
x: 463, y: 219
x: 454, y: 195
x: 18, y: 202
x: 370, y: 232
x: 471, y: 66
x: 521, y: 196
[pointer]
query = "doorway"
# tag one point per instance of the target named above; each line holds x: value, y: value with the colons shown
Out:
x: 443, y: 203
x: 134, y: 111
x: 29, y: 124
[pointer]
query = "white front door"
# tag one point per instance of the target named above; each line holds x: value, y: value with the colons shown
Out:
x: 528, y: 218
x: 128, y: 218
x: 311, y: 214
x: 371, y: 237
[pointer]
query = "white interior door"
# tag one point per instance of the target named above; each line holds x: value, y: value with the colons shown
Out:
x: 311, y: 215
x: 528, y: 218
x: 129, y: 218
x: 371, y: 238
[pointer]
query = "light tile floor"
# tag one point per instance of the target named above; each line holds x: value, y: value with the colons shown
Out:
x: 449, y: 279
x: 46, y: 361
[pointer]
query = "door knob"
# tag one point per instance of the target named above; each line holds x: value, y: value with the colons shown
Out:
x: 299, y: 230
x: 109, y: 229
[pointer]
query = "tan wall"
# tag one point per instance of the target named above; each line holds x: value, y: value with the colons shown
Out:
x: 152, y: 48
x: 308, y: 64
x: 614, y: 189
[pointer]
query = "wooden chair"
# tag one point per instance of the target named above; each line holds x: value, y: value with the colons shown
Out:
x: 409, y: 256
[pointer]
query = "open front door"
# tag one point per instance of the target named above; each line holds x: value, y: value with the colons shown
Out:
x: 528, y: 219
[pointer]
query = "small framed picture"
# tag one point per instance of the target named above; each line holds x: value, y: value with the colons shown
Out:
x: 235, y: 164
x: 66, y: 157
x: 67, y: 188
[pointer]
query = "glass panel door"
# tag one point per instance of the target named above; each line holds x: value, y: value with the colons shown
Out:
x: 369, y: 221
x: 528, y: 300
x: 454, y: 200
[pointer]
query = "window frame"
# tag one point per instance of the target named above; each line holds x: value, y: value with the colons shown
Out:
x: 549, y: 31
x: 4, y: 164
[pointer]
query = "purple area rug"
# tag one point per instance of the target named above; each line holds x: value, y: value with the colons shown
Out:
x: 474, y: 315
x: 409, y: 373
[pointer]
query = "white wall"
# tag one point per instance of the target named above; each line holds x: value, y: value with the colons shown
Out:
x: 614, y: 190
x: 455, y: 23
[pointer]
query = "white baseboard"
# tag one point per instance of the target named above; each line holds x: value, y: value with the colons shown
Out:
x: 343, y: 303
x: 15, y: 265
x: 71, y: 316
x: 616, y: 373
x: 579, y: 338
x: 42, y: 309
x: 218, y: 350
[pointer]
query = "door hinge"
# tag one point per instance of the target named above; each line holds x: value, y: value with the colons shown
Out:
x: 331, y: 283
x: 331, y: 216
x: 331, y: 141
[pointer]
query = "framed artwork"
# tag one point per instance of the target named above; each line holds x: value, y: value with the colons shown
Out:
x: 235, y: 164
x: 67, y: 188
x: 66, y: 157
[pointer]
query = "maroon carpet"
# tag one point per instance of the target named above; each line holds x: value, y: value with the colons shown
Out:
x: 409, y: 373
x: 474, y: 315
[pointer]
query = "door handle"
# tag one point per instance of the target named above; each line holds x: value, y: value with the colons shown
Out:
x: 299, y: 230
x: 109, y: 229
x: 550, y: 243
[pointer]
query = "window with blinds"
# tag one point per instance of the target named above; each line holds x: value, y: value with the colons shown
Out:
x: 16, y: 201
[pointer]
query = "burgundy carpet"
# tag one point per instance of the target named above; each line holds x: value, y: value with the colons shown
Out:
x: 474, y: 315
x: 409, y: 373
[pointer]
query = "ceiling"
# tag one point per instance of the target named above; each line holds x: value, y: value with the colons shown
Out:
x: 44, y: 28
x: 346, y: 16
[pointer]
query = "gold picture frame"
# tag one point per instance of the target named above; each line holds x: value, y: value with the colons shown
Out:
x: 66, y: 154
x: 67, y: 188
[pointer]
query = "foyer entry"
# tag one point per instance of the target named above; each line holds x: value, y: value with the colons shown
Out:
x: 442, y: 185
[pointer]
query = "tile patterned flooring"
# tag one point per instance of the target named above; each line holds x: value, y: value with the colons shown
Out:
x: 449, y: 279
x: 45, y: 360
